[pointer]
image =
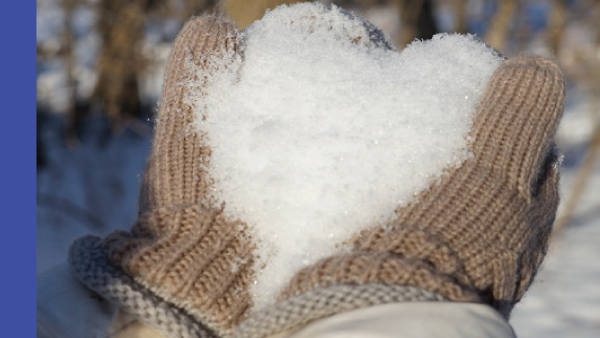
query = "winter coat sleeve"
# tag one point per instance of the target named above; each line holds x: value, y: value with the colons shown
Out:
x: 404, y: 320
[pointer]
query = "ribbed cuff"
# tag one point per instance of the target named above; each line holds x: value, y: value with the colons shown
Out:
x: 327, y: 301
x: 92, y: 268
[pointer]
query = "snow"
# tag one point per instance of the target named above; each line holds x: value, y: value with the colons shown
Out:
x: 316, y: 137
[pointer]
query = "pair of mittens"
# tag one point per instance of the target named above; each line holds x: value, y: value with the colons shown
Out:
x: 476, y: 231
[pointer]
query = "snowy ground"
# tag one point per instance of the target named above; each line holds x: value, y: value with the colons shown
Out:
x: 564, y: 301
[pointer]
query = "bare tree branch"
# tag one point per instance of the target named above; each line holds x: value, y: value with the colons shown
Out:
x: 73, y: 118
x: 244, y: 12
x: 460, y: 9
x: 417, y: 20
x: 497, y: 34
x: 557, y: 24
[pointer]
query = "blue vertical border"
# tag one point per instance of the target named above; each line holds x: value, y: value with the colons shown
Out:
x: 18, y: 168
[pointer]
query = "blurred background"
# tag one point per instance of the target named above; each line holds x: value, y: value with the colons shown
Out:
x: 99, y: 76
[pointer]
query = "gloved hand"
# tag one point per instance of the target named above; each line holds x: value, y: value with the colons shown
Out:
x: 172, y: 269
x: 478, y: 235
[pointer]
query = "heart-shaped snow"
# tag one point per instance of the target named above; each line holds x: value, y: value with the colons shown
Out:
x: 323, y: 131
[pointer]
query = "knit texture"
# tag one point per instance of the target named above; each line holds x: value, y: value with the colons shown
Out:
x: 90, y: 264
x: 88, y: 258
x: 478, y: 235
x: 482, y: 232
x: 323, y: 302
x: 182, y: 250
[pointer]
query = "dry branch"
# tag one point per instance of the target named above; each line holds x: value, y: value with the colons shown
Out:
x: 557, y: 24
x: 498, y: 32
x: 120, y: 25
x: 417, y: 20
x: 460, y: 9
x: 244, y: 12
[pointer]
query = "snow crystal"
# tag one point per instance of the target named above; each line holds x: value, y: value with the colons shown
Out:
x: 325, y: 130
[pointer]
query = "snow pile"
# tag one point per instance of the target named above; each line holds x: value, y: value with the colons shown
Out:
x: 324, y: 130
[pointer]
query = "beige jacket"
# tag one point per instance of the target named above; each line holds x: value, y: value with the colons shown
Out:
x: 67, y: 309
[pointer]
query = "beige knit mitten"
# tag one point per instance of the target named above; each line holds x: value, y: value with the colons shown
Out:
x: 173, y: 269
x: 477, y: 236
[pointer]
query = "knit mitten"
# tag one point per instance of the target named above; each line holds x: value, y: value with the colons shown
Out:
x: 173, y: 269
x: 478, y: 235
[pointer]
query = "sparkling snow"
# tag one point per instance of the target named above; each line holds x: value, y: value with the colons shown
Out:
x: 317, y: 136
